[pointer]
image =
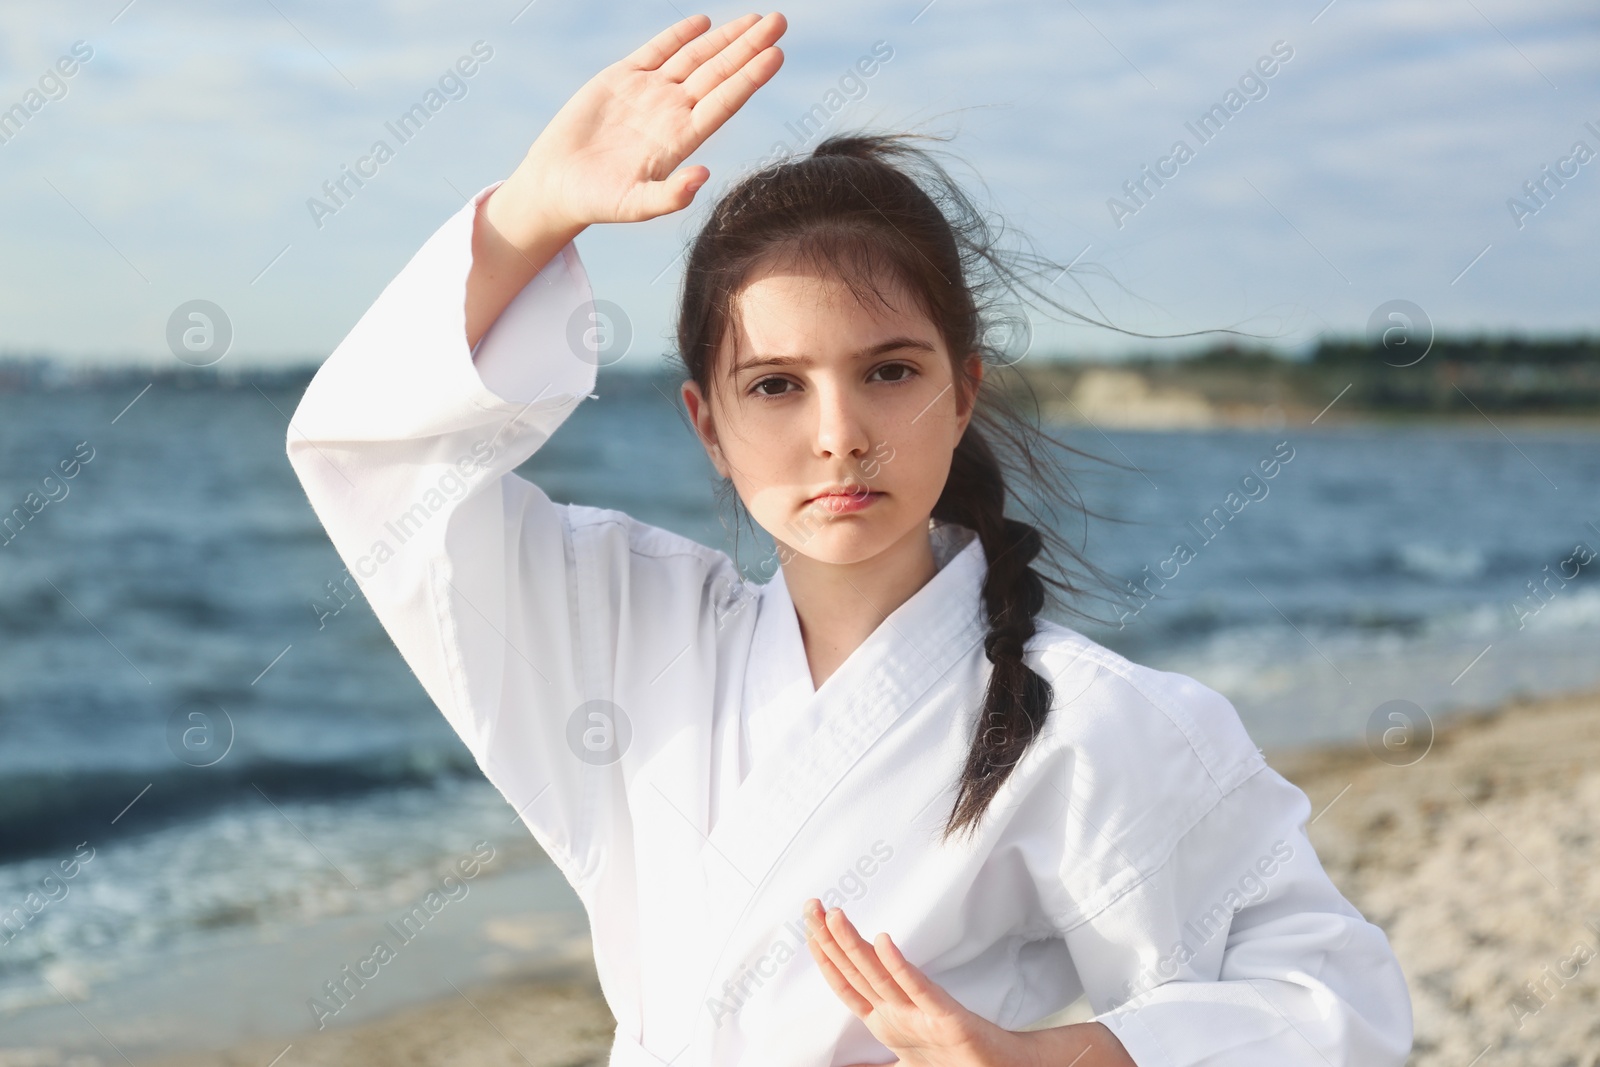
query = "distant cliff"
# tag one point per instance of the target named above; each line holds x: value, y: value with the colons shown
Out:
x: 1227, y: 386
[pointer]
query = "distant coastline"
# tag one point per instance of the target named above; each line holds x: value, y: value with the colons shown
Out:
x: 1543, y: 382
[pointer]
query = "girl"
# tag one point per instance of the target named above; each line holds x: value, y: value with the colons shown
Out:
x: 887, y: 722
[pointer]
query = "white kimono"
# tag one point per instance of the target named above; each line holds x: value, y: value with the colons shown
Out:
x: 609, y: 675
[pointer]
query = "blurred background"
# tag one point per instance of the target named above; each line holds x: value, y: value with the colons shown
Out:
x: 1394, y: 207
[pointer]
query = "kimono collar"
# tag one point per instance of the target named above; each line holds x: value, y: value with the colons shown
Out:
x: 921, y: 623
x: 930, y: 644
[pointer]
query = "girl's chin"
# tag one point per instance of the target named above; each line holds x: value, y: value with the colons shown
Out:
x: 855, y: 540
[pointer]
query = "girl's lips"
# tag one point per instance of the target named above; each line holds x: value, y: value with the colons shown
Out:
x: 844, y: 503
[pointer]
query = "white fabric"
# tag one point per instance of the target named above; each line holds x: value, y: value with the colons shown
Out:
x: 778, y: 708
x: 1142, y: 852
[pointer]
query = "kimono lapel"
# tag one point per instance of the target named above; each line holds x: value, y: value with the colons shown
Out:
x: 899, y: 662
x: 778, y: 704
x: 758, y: 819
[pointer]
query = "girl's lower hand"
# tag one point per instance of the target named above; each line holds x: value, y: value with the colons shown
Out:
x: 917, y: 1020
x: 610, y: 153
x: 926, y: 1027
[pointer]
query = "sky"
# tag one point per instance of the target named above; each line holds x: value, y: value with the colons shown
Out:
x: 1383, y: 159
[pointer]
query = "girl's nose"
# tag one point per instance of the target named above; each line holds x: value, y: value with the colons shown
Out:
x: 841, y: 426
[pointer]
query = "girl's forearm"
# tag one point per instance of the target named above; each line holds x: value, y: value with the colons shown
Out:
x: 1077, y: 1045
x: 513, y: 239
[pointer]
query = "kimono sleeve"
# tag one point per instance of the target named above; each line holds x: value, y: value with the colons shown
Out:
x: 1238, y: 950
x: 405, y: 443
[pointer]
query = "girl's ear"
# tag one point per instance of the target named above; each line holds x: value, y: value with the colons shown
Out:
x: 704, y: 428
x: 969, y: 394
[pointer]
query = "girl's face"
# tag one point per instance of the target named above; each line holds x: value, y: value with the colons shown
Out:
x: 818, y: 393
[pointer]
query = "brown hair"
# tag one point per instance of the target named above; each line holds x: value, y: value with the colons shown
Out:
x: 854, y: 209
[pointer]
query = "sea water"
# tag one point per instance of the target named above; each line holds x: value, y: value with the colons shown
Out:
x: 180, y: 569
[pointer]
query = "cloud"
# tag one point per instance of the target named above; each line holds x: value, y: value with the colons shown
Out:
x: 1377, y: 166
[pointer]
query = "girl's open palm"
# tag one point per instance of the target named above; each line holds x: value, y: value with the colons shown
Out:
x: 610, y: 154
x: 917, y: 1020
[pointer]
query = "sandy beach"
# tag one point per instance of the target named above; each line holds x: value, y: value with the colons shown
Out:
x: 1477, y: 859
x: 1479, y: 862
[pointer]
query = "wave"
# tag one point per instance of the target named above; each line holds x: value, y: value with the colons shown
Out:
x: 1441, y: 563
x: 42, y: 811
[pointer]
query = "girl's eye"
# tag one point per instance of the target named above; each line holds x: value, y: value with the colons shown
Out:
x: 906, y: 369
x: 760, y: 387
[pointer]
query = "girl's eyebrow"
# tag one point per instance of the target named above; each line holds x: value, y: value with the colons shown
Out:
x: 893, y: 344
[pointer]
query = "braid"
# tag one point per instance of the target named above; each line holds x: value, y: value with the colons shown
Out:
x: 1018, y: 699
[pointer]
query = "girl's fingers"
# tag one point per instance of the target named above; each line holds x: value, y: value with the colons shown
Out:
x: 841, y: 960
x: 718, y: 105
x: 865, y: 959
x: 831, y: 957
x: 923, y: 992
x: 867, y: 978
x: 837, y: 982
x: 717, y: 68
x: 664, y: 45
x: 673, y: 193
x: 688, y: 59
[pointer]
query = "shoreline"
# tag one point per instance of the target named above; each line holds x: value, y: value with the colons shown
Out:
x: 1477, y: 860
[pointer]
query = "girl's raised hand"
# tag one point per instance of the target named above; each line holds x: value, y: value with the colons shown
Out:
x: 611, y: 153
